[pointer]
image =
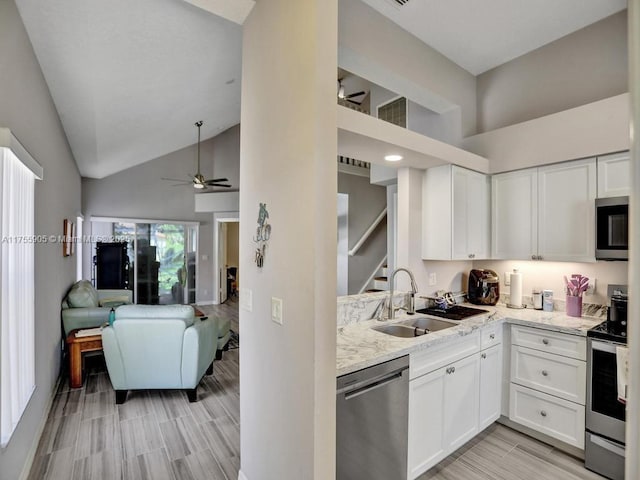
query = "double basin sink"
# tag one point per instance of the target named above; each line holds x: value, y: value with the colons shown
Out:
x: 415, y: 327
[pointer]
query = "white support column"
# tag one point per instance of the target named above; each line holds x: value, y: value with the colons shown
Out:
x: 633, y: 406
x: 288, y: 147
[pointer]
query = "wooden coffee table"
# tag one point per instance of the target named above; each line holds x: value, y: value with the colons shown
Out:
x: 78, y: 346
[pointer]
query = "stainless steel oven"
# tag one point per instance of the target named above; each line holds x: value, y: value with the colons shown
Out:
x: 605, y: 415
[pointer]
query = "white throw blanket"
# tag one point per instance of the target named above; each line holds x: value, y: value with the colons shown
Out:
x: 622, y: 360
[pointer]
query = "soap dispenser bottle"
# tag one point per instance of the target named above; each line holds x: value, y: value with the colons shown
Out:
x: 112, y: 316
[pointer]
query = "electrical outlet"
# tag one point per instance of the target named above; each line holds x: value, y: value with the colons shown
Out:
x: 276, y: 310
x: 507, y: 279
x: 433, y: 280
x: 591, y: 289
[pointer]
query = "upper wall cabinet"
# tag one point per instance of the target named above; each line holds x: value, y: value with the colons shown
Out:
x: 566, y: 211
x: 545, y: 213
x: 514, y: 210
x: 455, y: 208
x: 614, y: 175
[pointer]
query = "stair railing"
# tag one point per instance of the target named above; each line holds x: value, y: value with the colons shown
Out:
x: 368, y: 233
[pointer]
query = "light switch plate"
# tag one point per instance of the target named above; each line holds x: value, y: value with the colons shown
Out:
x: 432, y: 279
x: 276, y: 310
x: 246, y: 299
x: 507, y: 278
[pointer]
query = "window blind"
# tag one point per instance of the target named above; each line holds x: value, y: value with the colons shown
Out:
x: 17, y: 296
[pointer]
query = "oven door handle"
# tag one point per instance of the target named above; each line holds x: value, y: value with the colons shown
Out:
x: 604, y: 346
x: 601, y: 442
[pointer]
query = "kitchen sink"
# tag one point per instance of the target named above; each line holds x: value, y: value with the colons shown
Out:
x: 414, y: 328
x: 397, y: 330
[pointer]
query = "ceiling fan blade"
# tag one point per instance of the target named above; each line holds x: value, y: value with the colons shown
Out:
x: 217, y: 180
x: 354, y: 102
x: 218, y: 185
x: 175, y: 179
x: 357, y: 94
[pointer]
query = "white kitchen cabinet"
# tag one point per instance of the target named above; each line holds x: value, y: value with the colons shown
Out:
x: 566, y: 211
x: 426, y: 422
x: 443, y: 412
x: 514, y: 215
x: 614, y: 175
x: 455, y: 208
x: 490, y: 386
x: 548, y: 379
x: 461, y: 402
x: 545, y: 213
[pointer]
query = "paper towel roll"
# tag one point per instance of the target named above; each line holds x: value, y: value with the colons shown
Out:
x: 515, y: 297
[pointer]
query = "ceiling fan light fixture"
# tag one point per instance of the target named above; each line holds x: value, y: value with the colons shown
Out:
x: 341, y: 92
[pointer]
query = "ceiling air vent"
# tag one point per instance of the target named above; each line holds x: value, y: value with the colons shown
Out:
x: 398, y: 3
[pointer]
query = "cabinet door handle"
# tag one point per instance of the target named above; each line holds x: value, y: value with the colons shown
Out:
x: 543, y: 413
x: 448, y: 370
x: 533, y: 257
x: 545, y: 341
x: 492, y: 336
x: 539, y: 257
x: 545, y: 373
x: 472, y: 255
x: 484, y: 355
x: 453, y: 369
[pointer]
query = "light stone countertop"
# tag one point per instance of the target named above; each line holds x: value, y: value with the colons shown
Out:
x: 358, y: 346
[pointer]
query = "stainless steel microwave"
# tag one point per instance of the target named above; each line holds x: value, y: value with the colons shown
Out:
x: 612, y: 228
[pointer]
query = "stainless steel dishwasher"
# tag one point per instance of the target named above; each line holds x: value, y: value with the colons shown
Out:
x: 372, y: 414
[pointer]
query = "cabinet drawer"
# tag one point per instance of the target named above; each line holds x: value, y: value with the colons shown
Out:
x: 430, y: 359
x: 553, y: 342
x: 547, y: 414
x: 491, y: 335
x: 560, y: 376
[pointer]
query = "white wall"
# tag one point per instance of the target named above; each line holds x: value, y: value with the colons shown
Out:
x: 593, y: 129
x: 140, y: 192
x: 377, y: 49
x: 27, y: 109
x: 580, y: 68
x: 289, y: 149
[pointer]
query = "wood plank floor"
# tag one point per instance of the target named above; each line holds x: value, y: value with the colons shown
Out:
x: 159, y: 435
x: 154, y: 435
x: 500, y: 453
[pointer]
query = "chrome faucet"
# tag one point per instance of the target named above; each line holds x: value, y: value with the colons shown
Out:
x: 412, y: 300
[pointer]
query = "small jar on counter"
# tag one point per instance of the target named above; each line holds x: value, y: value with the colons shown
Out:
x: 537, y: 298
x: 547, y: 300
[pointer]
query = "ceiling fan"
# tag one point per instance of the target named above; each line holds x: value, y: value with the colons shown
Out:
x: 348, y: 98
x: 198, y: 181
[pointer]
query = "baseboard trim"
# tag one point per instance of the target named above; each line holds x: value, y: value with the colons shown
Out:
x: 31, y: 455
x: 207, y: 302
x: 242, y: 476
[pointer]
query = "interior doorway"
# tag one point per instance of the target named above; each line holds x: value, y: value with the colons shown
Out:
x: 228, y: 258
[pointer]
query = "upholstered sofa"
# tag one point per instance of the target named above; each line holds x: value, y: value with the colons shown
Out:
x: 158, y: 347
x: 86, y: 307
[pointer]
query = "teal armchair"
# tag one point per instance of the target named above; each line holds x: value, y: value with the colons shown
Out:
x: 158, y: 347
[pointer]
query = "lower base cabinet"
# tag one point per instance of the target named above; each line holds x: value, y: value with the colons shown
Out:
x: 490, y: 385
x: 443, y: 412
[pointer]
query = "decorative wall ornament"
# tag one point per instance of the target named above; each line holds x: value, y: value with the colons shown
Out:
x: 263, y: 233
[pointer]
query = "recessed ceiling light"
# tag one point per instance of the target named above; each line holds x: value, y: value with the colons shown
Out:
x: 393, y: 158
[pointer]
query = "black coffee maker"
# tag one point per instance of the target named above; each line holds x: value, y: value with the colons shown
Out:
x: 617, y: 314
x: 484, y: 287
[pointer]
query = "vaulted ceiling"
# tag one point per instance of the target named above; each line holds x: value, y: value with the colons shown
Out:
x: 129, y: 78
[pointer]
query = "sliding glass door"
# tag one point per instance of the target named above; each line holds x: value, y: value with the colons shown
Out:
x: 162, y: 259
